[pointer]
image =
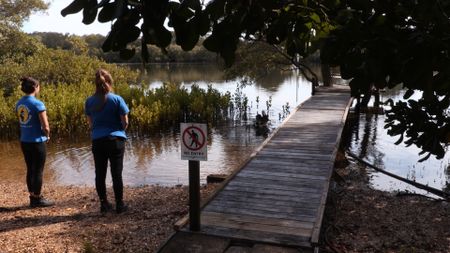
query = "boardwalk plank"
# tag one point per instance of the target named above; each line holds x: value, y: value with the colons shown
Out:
x: 272, y: 201
x: 303, y: 171
x: 279, y: 195
x: 305, y: 210
x: 275, y: 192
x: 307, y: 216
x: 257, y: 236
x: 224, y: 221
x: 277, y: 178
x: 259, y: 220
x: 258, y: 183
x: 303, y: 198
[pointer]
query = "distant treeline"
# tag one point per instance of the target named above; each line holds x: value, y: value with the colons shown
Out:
x: 92, y: 46
x: 65, y: 66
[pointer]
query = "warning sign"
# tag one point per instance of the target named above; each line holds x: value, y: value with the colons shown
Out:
x: 193, y: 142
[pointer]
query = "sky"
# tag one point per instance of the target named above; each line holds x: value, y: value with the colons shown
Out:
x: 52, y: 21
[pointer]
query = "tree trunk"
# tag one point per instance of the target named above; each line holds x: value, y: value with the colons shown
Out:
x: 326, y: 75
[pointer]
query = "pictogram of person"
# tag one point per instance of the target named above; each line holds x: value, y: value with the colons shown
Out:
x: 194, y: 138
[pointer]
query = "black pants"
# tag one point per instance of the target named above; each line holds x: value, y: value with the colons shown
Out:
x: 34, y: 154
x: 112, y: 150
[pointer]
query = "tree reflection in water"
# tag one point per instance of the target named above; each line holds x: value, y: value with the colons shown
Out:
x: 154, y: 158
x: 371, y: 142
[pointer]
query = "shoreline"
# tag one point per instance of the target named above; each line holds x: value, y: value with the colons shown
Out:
x: 357, y: 218
x: 361, y: 219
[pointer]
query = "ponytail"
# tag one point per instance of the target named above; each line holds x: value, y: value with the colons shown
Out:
x: 103, y: 82
x: 103, y: 85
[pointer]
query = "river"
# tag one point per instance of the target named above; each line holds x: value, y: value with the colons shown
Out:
x: 155, y: 158
x: 370, y: 141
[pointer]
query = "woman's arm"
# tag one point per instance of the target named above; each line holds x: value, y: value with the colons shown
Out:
x: 124, y: 119
x: 89, y: 120
x: 44, y: 124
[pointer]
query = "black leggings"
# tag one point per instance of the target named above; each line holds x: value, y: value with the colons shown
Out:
x: 34, y: 154
x: 111, y: 149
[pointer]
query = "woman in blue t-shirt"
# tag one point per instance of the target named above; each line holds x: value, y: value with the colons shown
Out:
x: 34, y: 133
x: 107, y: 115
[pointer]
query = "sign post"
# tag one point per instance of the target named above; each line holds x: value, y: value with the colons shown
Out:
x: 194, y: 195
x: 193, y: 148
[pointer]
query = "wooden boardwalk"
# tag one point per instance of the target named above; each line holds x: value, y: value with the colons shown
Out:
x: 278, y: 196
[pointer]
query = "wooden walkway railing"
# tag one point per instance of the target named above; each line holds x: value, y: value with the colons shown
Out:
x: 279, y: 195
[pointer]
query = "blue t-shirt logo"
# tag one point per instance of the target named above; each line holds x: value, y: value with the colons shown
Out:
x: 27, y: 110
x: 24, y: 114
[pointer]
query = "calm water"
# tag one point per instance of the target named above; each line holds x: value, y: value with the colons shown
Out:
x: 370, y: 140
x: 155, y: 159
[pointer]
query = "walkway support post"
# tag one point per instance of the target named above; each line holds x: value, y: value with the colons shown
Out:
x: 194, y: 195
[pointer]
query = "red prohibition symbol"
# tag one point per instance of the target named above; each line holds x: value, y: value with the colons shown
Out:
x: 191, y: 138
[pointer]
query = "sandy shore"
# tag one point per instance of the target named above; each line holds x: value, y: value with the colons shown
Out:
x: 75, y: 224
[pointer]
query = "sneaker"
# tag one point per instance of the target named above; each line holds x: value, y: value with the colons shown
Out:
x: 40, y: 202
x: 121, y: 207
x: 105, y: 206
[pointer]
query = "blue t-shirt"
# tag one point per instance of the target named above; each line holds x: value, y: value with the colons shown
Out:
x: 27, y: 110
x: 105, y: 115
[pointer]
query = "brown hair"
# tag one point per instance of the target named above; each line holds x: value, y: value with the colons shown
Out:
x: 28, y: 84
x: 103, y: 82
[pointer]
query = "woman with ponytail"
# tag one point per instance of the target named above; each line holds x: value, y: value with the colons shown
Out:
x: 34, y: 133
x: 107, y: 115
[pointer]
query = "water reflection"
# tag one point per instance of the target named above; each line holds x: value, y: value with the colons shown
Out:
x: 370, y: 141
x: 155, y: 158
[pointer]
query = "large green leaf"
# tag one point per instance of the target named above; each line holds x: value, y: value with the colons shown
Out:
x: 202, y: 22
x: 191, y: 36
x: 74, y: 7
x: 163, y: 37
x: 129, y: 34
x: 107, y: 44
x: 90, y: 12
x: 228, y: 49
x: 107, y: 13
x: 215, y: 8
x: 127, y: 54
x: 213, y: 43
x: 408, y: 94
x: 193, y: 4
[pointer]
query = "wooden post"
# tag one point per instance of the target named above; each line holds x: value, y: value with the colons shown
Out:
x: 194, y: 195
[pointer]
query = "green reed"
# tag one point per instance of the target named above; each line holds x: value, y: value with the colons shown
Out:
x: 149, y: 108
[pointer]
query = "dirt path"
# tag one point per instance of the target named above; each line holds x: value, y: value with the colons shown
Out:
x: 358, y: 219
x: 75, y: 224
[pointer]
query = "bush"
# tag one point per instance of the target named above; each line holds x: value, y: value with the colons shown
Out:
x: 53, y: 66
x: 67, y: 80
x: 150, y: 109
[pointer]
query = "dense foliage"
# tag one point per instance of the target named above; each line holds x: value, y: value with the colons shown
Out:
x: 55, y: 66
x: 66, y: 74
x: 150, y: 108
x: 91, y: 45
x: 376, y: 43
x: 382, y: 44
